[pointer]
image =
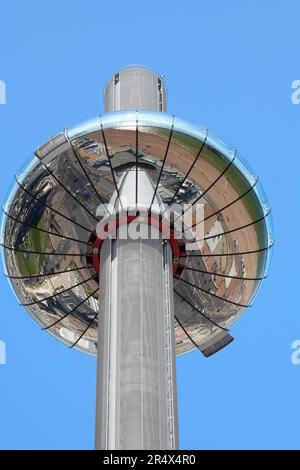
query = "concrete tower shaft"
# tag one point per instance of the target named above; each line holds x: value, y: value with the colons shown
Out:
x: 136, y: 379
x: 137, y: 405
x: 135, y: 87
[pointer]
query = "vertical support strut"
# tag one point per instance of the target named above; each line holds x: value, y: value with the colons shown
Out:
x: 136, y: 375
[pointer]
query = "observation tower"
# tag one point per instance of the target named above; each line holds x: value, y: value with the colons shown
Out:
x: 135, y: 237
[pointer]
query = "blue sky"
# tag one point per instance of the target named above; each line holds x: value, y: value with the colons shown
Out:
x: 229, y: 65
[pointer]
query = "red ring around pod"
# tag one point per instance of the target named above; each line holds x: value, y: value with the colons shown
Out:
x: 96, y: 240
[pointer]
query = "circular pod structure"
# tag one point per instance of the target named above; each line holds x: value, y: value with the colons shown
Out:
x: 49, y: 235
x: 136, y: 236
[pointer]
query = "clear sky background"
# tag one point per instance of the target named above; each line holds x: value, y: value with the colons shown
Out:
x: 229, y: 65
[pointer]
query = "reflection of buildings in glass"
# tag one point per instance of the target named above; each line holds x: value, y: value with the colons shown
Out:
x: 94, y: 303
x: 59, y: 205
x: 202, y: 284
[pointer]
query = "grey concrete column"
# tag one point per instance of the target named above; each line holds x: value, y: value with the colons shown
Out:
x: 135, y: 87
x: 136, y: 376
